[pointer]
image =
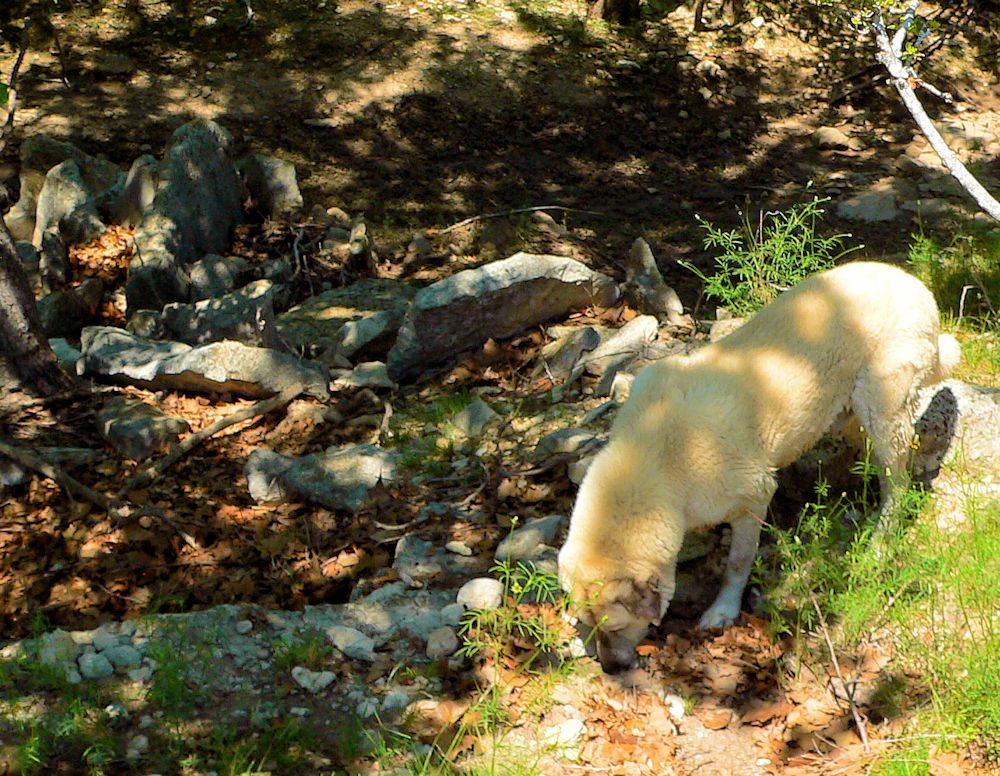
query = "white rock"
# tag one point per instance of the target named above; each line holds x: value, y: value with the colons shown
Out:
x: 459, y: 548
x: 481, y: 593
x: 312, y: 681
x: 353, y: 643
x: 565, y: 734
x: 675, y: 705
x: 441, y: 643
x: 243, y: 627
x: 139, y: 744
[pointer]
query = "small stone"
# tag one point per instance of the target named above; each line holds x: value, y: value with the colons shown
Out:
x: 394, y: 701
x: 473, y: 419
x: 565, y: 734
x: 442, y: 642
x: 103, y: 639
x: 675, y: 705
x: 525, y: 542
x: 299, y: 711
x: 243, y: 627
x: 353, y: 643
x: 72, y: 675
x: 146, y: 721
x: 459, y: 548
x: 452, y: 614
x: 139, y: 744
x: 95, y: 666
x: 58, y: 647
x: 312, y: 681
x: 141, y: 675
x: 123, y: 656
x: 481, y: 593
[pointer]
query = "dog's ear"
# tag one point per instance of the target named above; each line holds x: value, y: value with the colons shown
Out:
x: 644, y: 602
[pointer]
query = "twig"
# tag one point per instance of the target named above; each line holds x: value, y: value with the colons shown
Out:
x: 557, y: 460
x: 146, y: 475
x: 505, y: 213
x: 112, y: 505
x: 890, y: 54
x: 12, y: 87
x: 848, y: 688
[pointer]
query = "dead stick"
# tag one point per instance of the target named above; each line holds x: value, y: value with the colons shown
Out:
x: 147, y: 474
x: 862, y: 730
x: 505, y: 213
x: 113, y: 506
x: 12, y: 87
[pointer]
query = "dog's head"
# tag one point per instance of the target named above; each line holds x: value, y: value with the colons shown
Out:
x: 616, y: 613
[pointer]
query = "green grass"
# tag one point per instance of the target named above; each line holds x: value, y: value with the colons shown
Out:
x: 312, y: 650
x: 758, y: 261
x: 963, y: 271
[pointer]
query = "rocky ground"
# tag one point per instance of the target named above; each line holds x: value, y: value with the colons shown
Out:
x: 411, y: 431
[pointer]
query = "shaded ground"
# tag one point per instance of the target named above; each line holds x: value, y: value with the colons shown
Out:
x: 420, y: 115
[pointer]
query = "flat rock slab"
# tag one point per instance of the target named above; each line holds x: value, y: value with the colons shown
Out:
x: 343, y: 321
x: 230, y: 367
x: 496, y: 300
x: 136, y: 429
x: 339, y: 478
x: 245, y: 315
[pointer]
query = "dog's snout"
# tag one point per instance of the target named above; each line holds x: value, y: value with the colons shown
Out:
x: 613, y: 660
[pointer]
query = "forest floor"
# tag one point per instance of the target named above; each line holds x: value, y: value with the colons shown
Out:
x: 419, y: 115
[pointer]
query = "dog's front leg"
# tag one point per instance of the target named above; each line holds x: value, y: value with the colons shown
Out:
x: 742, y: 552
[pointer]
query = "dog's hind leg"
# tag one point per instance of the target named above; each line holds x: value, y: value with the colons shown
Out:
x: 885, y: 404
x: 742, y: 552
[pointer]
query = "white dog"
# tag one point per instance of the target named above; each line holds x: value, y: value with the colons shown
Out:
x: 701, y: 436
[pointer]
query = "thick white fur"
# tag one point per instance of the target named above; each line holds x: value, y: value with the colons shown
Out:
x: 701, y: 436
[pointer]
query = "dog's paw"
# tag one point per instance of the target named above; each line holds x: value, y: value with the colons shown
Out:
x: 718, y: 617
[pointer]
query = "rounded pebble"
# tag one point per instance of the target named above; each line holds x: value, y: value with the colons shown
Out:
x: 442, y: 642
x: 481, y: 593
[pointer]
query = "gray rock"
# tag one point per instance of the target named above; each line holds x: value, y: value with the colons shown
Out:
x: 497, y: 300
x: 65, y: 203
x: 95, y: 666
x: 39, y: 154
x: 353, y: 643
x: 344, y: 321
x: 53, y: 263
x: 57, y: 647
x: 577, y: 470
x: 215, y: 276
x: 621, y: 347
x: 459, y: 548
x: 473, y: 418
x: 146, y: 323
x: 527, y: 541
x: 312, y: 681
x: 452, y: 614
x: 138, y: 192
x: 481, y: 593
x: 370, y: 374
x: 123, y: 657
x: 724, y: 327
x: 832, y: 137
x: 64, y: 312
x: 246, y: 316
x: 870, y: 207
x: 272, y: 183
x: 559, y: 357
x: 645, y: 287
x: 394, y: 702
x: 198, y: 202
x: 12, y: 475
x: 442, y: 642
x: 563, y: 441
x: 103, y: 639
x: 138, y: 430
x: 66, y: 354
x: 339, y: 478
x: 228, y: 367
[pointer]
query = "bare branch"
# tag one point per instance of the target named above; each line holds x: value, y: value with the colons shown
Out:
x: 902, y: 77
x: 8, y: 124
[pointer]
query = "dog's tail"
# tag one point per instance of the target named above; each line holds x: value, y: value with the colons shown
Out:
x: 948, y: 355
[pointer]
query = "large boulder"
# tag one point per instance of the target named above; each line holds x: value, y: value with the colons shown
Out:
x: 65, y: 204
x: 39, y: 154
x: 198, y: 202
x: 496, y: 300
x: 228, y: 367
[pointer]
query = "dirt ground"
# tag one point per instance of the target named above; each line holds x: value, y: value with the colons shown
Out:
x: 418, y: 115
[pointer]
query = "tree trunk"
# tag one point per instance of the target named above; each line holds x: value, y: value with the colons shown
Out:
x: 27, y: 363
